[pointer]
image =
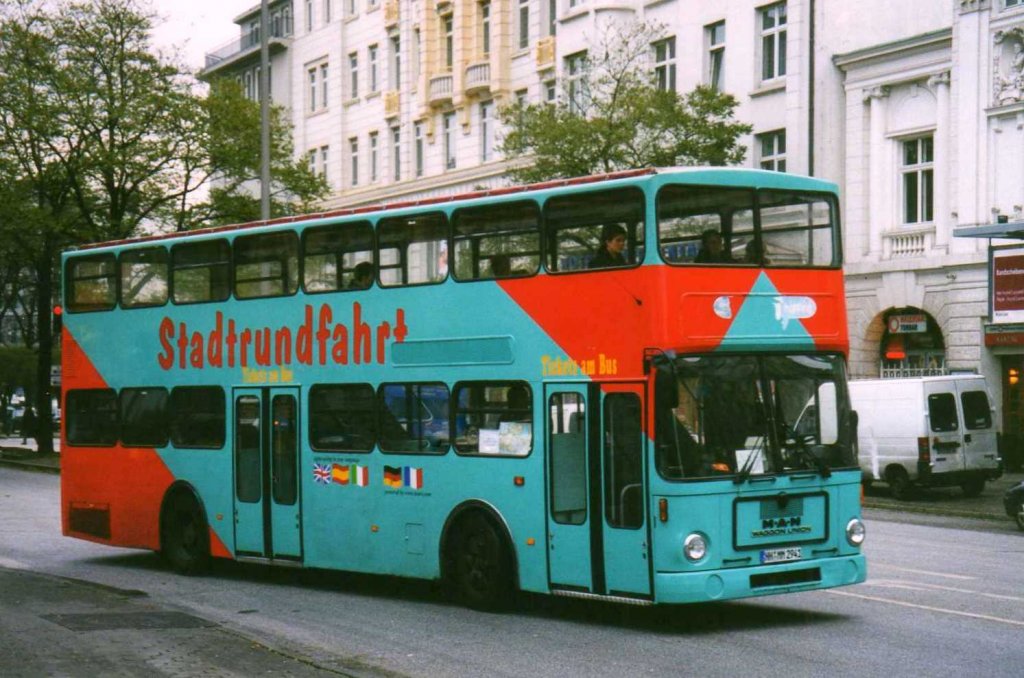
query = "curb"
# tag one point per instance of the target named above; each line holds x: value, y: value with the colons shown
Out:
x: 906, y: 507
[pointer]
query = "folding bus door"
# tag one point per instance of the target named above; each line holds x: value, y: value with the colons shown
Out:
x: 597, y: 515
x: 266, y: 465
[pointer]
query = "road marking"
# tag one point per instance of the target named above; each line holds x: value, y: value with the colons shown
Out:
x: 942, y: 610
x: 928, y: 572
x: 921, y: 586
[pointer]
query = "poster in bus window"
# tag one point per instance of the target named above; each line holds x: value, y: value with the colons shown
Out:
x: 1008, y: 286
x: 514, y: 438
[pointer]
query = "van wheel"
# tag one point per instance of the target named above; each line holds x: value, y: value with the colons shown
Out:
x: 973, y: 487
x: 478, y: 565
x: 184, y: 534
x: 899, y: 483
x: 1018, y: 514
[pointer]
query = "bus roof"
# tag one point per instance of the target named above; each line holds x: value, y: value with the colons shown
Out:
x: 739, y: 176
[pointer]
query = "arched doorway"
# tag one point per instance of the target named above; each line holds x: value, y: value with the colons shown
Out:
x: 911, y: 345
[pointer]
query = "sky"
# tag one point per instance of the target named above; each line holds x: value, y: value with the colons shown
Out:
x: 196, y: 27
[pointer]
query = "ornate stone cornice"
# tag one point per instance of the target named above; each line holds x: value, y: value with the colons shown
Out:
x: 939, y: 79
x: 967, y: 6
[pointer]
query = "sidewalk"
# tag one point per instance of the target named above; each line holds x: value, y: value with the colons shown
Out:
x: 14, y: 453
x: 55, y: 626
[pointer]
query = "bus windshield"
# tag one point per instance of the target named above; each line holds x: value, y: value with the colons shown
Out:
x: 745, y: 415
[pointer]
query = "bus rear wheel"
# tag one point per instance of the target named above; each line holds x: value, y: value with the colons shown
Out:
x: 184, y: 535
x: 479, y: 565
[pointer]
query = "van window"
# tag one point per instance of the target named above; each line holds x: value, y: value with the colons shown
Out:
x: 977, y: 413
x: 942, y: 412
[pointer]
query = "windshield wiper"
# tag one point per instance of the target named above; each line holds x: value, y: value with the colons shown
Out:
x: 802, y: 449
x: 744, y: 473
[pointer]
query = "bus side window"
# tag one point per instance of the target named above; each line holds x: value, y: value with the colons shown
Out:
x: 413, y: 418
x: 493, y: 417
x: 412, y: 250
x: 197, y: 417
x: 266, y: 265
x: 574, y: 225
x: 92, y: 283
x: 143, y: 277
x: 685, y: 213
x: 201, y: 271
x: 500, y: 240
x: 332, y: 254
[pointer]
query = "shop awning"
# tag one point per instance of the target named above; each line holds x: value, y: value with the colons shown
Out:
x: 1011, y: 230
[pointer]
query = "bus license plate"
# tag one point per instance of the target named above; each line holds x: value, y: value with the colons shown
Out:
x: 781, y: 555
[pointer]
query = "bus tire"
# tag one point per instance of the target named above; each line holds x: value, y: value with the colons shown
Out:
x: 899, y: 483
x: 184, y: 533
x: 478, y: 564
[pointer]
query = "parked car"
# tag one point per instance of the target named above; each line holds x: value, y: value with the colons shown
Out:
x: 1013, y: 500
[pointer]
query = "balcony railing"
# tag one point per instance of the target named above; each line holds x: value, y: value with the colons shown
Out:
x: 907, y: 243
x: 478, y: 76
x: 546, y: 51
x: 391, y: 104
x: 280, y: 27
x: 441, y: 89
x: 391, y: 14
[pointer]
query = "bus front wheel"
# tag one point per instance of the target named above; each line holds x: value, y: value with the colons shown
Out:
x: 479, y: 566
x: 184, y: 535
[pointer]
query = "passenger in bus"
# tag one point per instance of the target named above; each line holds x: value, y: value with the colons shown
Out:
x: 613, y: 243
x: 362, y: 276
x: 517, y: 401
x: 711, y: 250
x: 753, y: 253
x: 501, y: 266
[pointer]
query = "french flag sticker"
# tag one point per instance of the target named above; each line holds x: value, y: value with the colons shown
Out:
x: 413, y: 478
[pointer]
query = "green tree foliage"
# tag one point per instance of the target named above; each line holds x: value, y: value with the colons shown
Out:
x: 614, y: 117
x: 101, y: 139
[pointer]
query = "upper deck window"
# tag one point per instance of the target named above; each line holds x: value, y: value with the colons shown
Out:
x: 266, y: 265
x: 92, y: 283
x: 201, y: 271
x: 692, y: 218
x: 716, y: 225
x: 600, y: 229
x: 796, y: 228
x: 144, y: 277
x: 497, y: 241
x: 338, y: 257
x: 412, y: 250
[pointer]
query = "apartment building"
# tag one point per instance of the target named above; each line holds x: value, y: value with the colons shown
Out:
x: 914, y: 109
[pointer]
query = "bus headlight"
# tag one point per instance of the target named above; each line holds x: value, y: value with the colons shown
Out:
x: 695, y: 547
x: 855, y: 532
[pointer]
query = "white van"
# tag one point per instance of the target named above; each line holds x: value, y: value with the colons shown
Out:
x: 927, y: 431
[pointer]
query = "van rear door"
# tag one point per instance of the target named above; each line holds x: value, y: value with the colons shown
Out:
x: 979, y: 450
x: 945, y: 437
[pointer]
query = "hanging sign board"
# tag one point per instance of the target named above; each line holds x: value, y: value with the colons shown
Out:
x: 908, y: 323
x: 1008, y: 286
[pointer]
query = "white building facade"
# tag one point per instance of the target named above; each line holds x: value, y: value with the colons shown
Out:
x: 915, y: 109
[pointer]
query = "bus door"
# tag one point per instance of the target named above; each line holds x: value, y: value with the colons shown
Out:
x: 597, y: 522
x: 266, y: 463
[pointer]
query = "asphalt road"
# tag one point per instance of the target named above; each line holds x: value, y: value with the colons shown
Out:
x: 940, y: 601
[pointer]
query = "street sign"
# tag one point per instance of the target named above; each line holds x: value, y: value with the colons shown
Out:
x: 907, y: 323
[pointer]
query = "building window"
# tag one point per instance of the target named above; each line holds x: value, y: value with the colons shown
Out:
x: 311, y: 73
x: 371, y: 3
x: 578, y: 91
x: 323, y: 85
x: 917, y: 168
x: 324, y: 152
x: 418, y: 142
x: 312, y: 161
x: 552, y: 18
x: 353, y: 77
x: 1013, y: 3
x: 395, y: 75
x: 327, y: 11
x: 524, y: 24
x: 550, y: 92
x: 415, y: 75
x: 716, y: 55
x: 374, y: 86
x: 350, y: 7
x: 448, y: 33
x: 373, y: 157
x: 485, y: 28
x: 772, y: 150
x: 309, y: 15
x: 773, y: 41
x: 486, y: 131
x: 665, y: 64
x: 396, y: 153
x: 353, y: 154
x: 449, y: 140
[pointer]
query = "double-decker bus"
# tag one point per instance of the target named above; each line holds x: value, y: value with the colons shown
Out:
x: 568, y: 388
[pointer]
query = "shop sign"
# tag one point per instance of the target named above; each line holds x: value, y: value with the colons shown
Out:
x: 908, y: 323
x: 1008, y: 286
x: 1004, y: 335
